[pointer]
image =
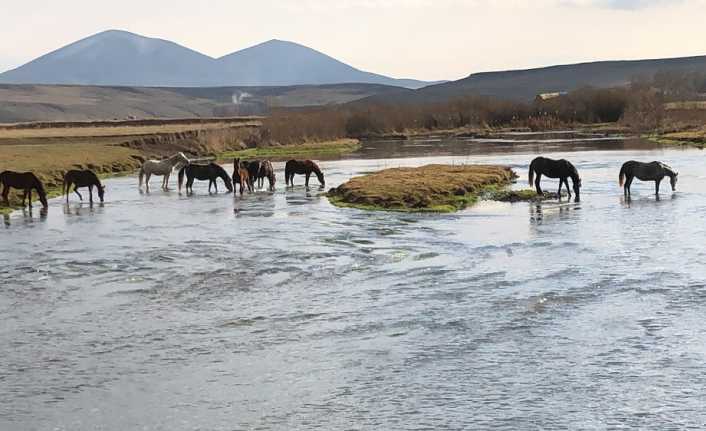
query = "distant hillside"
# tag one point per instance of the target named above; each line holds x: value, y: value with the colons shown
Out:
x: 526, y: 84
x: 119, y: 58
x: 19, y: 103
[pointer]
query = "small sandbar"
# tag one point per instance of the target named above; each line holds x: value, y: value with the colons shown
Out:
x: 432, y: 188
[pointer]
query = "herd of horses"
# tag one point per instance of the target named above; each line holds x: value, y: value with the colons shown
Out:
x: 249, y: 173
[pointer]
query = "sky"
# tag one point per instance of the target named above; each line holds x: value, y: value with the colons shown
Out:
x: 422, y: 39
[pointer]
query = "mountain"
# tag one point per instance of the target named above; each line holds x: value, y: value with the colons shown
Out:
x: 526, y: 84
x: 120, y: 58
x: 116, y: 58
x: 279, y: 62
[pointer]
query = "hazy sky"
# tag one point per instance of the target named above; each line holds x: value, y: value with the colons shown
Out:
x: 424, y: 39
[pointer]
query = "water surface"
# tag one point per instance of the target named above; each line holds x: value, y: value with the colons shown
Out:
x: 280, y: 311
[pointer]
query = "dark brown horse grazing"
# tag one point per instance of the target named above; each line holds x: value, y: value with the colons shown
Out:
x: 653, y: 171
x: 266, y: 171
x: 209, y: 172
x: 562, y: 169
x: 79, y: 179
x: 23, y: 181
x: 305, y: 167
x: 241, y: 176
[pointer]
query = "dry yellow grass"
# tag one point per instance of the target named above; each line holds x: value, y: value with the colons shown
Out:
x: 440, y: 188
x: 110, y: 131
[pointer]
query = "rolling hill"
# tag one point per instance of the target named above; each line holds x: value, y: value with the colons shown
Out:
x: 526, y: 84
x: 120, y: 58
x: 23, y: 103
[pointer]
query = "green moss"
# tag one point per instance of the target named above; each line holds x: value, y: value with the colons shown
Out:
x: 313, y: 150
x: 696, y: 142
x: 432, y: 188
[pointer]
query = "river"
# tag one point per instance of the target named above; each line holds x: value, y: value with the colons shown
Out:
x: 280, y: 311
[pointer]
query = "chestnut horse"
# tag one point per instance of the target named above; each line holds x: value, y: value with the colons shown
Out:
x: 78, y: 179
x: 23, y: 181
x: 302, y: 167
x: 241, y: 176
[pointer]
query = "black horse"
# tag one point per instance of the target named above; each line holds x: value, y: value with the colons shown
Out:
x: 79, y: 179
x: 266, y: 171
x: 25, y: 181
x: 562, y: 169
x: 305, y: 167
x: 210, y: 172
x: 653, y: 171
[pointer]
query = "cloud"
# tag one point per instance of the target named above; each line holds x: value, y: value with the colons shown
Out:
x: 623, y: 4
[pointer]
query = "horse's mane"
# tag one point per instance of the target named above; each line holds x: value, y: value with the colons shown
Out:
x: 315, y: 168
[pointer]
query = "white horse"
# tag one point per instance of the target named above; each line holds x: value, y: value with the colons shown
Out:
x: 163, y: 168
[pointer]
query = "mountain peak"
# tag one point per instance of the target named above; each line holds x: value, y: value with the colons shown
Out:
x: 119, y: 57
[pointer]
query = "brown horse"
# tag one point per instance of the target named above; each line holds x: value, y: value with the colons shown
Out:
x: 241, y: 176
x: 305, y: 167
x: 23, y: 181
x: 266, y: 171
x: 82, y: 179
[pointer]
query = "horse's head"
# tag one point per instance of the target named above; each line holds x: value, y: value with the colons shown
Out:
x: 320, y: 176
x: 673, y: 181
x: 577, y: 186
x: 101, y: 192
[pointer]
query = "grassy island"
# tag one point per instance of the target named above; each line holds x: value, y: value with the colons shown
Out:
x: 430, y: 188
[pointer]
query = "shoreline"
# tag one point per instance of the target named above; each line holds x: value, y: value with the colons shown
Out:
x: 50, y: 161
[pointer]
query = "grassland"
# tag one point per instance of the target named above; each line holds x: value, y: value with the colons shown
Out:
x: 430, y: 188
x: 319, y: 150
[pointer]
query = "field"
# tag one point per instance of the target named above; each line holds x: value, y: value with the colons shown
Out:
x: 319, y: 150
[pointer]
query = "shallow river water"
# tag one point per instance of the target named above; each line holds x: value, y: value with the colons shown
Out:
x: 280, y: 311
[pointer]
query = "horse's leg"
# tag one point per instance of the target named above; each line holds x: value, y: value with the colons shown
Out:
x: 657, y: 186
x: 561, y: 183
x: 5, y: 193
x: 24, y: 197
x: 147, y: 181
x: 536, y: 184
x: 628, y: 183
x: 76, y: 191
x: 306, y: 183
x: 90, y: 194
x: 568, y: 190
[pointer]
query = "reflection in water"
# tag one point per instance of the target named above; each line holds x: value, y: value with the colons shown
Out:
x: 169, y: 312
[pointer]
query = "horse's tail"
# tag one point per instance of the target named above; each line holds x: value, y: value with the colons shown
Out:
x: 621, y: 177
x: 63, y: 186
x: 531, y: 174
x: 181, y: 177
x: 142, y: 174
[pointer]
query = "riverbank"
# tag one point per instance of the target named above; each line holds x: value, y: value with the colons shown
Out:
x: 118, y: 148
x: 311, y: 150
x: 430, y: 188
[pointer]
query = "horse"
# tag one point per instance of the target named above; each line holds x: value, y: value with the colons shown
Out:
x: 253, y: 167
x: 163, y: 168
x: 562, y: 169
x: 25, y: 181
x: 241, y: 176
x: 82, y: 179
x: 266, y: 171
x: 305, y: 167
x: 653, y: 171
x: 209, y: 172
